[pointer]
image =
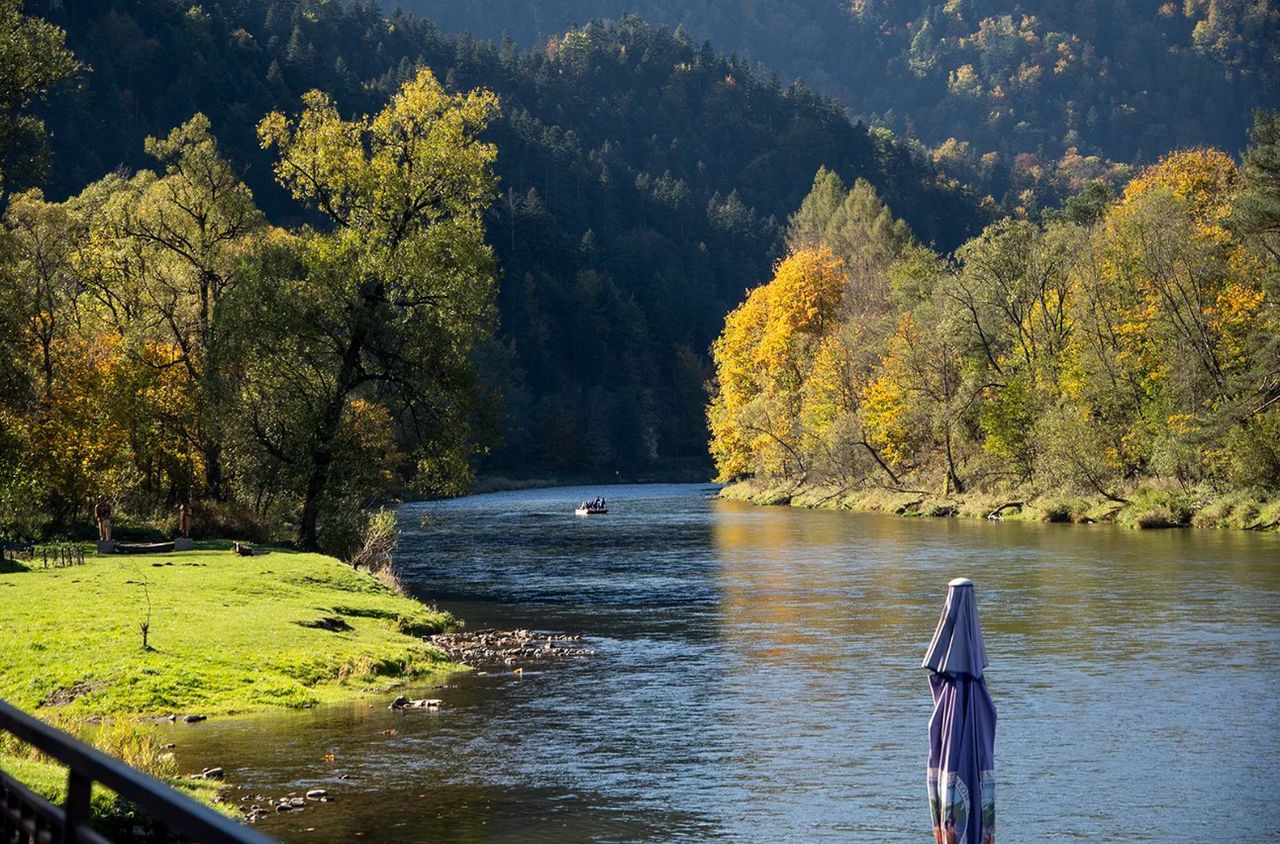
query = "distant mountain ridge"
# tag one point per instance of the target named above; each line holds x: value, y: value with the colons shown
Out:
x: 1052, y: 83
x: 644, y: 185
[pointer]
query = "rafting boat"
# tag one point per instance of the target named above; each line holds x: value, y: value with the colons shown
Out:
x: 591, y: 511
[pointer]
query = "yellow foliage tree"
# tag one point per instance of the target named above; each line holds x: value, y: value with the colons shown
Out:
x: 75, y: 442
x: 1167, y: 313
x: 763, y: 358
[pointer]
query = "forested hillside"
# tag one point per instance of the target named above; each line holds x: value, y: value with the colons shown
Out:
x: 642, y: 184
x: 1027, y: 99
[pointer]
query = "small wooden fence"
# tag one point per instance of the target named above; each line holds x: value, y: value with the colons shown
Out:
x: 27, y: 818
x: 47, y: 555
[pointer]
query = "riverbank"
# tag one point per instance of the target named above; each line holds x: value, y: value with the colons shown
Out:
x: 672, y: 472
x: 225, y: 634
x: 1143, y: 507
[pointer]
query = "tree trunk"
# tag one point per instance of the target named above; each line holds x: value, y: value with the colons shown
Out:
x: 322, y: 448
x: 308, y: 536
x: 880, y: 462
x: 953, y: 482
x: 215, y: 487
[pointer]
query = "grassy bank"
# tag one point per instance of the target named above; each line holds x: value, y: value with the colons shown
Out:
x: 1143, y: 507
x: 226, y: 634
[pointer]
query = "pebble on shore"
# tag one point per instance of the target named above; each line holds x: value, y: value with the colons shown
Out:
x: 508, y: 647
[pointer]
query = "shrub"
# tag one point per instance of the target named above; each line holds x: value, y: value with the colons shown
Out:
x: 426, y: 623
x: 377, y: 542
x: 1157, y: 508
x: 1054, y: 511
x: 1253, y: 453
x: 1160, y: 516
x: 216, y: 519
x: 137, y: 745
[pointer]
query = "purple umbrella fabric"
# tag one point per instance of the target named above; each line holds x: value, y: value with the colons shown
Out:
x: 962, y: 730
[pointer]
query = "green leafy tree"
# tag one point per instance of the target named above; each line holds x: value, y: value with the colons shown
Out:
x: 1256, y: 212
x: 390, y: 298
x: 170, y: 250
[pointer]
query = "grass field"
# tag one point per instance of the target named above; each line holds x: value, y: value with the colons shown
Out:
x: 227, y: 634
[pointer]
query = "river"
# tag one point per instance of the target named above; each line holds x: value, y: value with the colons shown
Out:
x: 757, y: 677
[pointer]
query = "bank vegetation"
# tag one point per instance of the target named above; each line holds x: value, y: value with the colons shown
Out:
x: 1120, y: 359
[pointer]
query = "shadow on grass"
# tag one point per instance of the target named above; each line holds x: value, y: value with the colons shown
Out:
x: 8, y: 566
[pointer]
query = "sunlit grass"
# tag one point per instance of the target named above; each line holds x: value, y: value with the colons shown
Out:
x: 226, y: 634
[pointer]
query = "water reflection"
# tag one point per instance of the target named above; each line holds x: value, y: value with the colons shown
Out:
x: 758, y: 677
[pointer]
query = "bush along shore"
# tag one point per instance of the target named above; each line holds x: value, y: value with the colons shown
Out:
x: 99, y: 649
x: 1144, y: 507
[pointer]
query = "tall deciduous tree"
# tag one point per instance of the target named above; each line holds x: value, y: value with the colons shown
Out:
x: 763, y: 358
x: 171, y: 248
x: 391, y: 298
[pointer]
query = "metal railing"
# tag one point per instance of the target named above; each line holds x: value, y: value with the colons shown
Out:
x: 27, y: 818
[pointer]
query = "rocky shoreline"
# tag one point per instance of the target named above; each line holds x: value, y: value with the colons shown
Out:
x: 511, y: 648
x: 481, y: 649
x: 255, y: 807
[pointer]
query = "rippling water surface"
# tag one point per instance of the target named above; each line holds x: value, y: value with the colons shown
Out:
x: 757, y: 678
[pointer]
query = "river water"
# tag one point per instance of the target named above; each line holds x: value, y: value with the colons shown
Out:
x: 757, y: 677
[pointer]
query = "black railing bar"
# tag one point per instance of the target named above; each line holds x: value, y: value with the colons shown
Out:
x: 45, y: 815
x: 162, y: 802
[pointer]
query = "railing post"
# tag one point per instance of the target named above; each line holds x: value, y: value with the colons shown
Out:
x: 40, y: 822
x: 77, y: 809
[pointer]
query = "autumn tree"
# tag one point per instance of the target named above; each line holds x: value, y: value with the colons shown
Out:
x: 1012, y: 295
x: 763, y: 359
x: 167, y: 251
x: 43, y: 284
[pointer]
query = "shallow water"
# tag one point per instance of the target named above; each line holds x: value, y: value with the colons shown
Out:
x: 757, y: 676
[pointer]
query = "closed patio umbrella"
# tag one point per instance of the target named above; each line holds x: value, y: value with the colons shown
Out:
x: 962, y: 730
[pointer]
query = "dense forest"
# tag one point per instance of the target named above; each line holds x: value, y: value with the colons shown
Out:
x: 164, y: 347
x: 642, y: 181
x: 156, y: 354
x: 248, y: 264
x: 1024, y: 100
x: 1126, y: 347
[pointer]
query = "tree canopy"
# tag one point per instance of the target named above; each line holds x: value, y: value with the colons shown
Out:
x: 166, y: 345
x: 1136, y: 344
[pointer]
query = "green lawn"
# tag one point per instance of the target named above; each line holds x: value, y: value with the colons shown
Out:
x: 50, y: 781
x: 227, y: 634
